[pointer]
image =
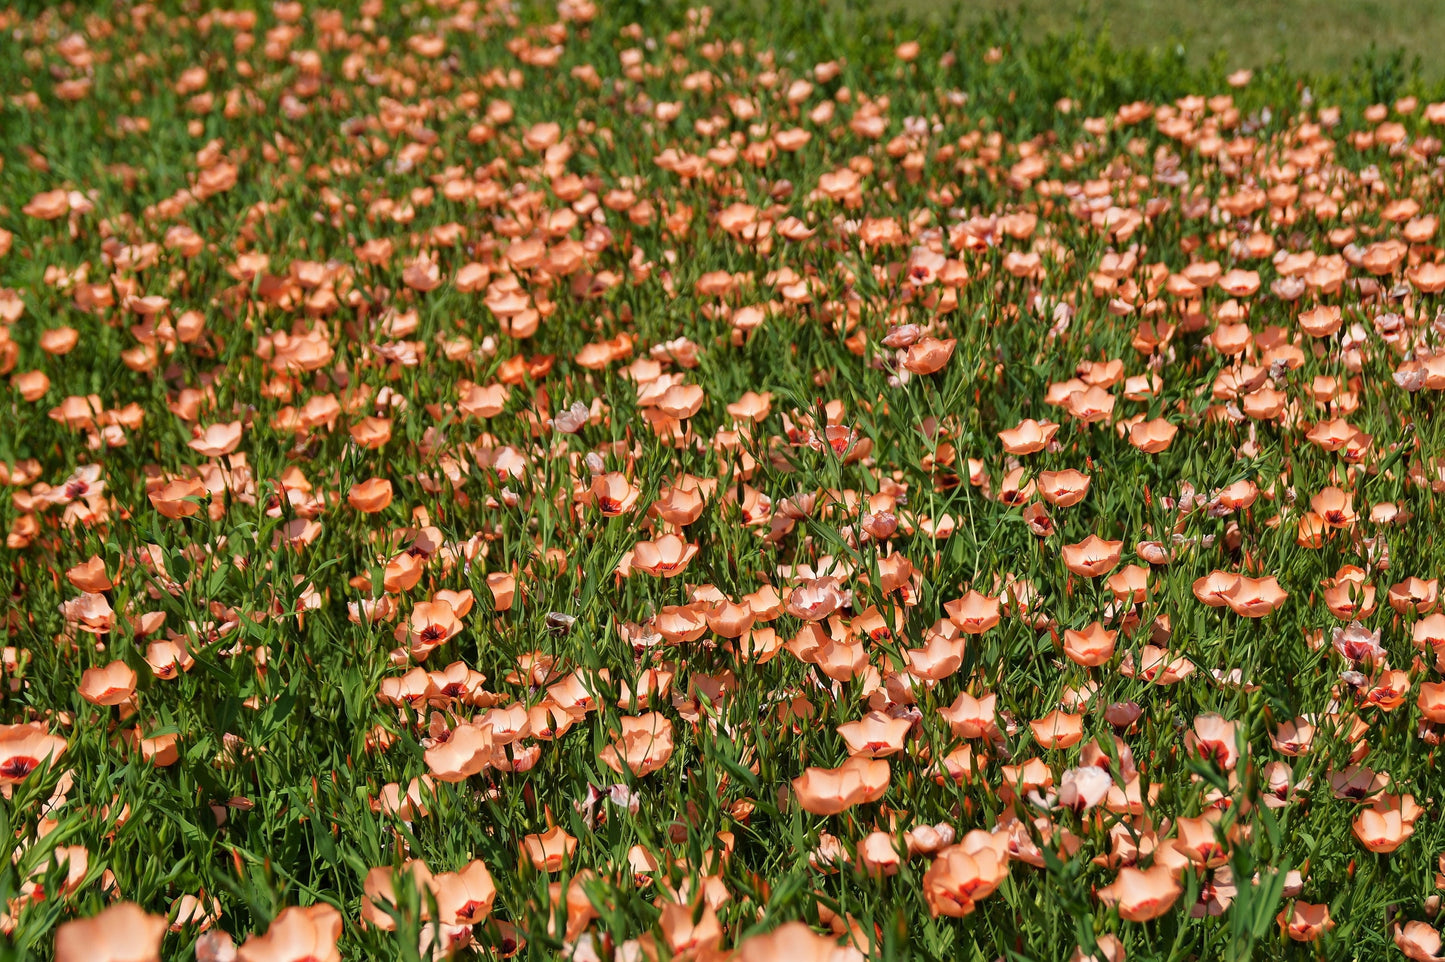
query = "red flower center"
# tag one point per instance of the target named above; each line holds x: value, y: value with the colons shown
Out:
x: 18, y: 767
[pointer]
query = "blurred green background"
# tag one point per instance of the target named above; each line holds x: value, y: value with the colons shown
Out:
x: 1315, y: 35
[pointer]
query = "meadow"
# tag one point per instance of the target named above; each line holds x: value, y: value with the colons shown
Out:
x: 1325, y: 36
x: 640, y: 481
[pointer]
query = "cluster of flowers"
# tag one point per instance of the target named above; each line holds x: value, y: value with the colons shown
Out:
x: 1001, y: 502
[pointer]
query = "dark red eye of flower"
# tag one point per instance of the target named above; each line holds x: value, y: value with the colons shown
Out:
x: 433, y: 633
x: 470, y: 909
x: 456, y: 689
x: 18, y: 767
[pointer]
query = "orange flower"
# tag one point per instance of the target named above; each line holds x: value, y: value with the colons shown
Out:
x: 1387, y: 823
x: 467, y: 750
x: 1305, y: 922
x: 432, y: 623
x: 549, y: 851
x: 876, y: 735
x: 1255, y: 597
x: 1092, y: 557
x: 971, y: 717
x: 124, y: 932
x: 664, y: 558
x: 1334, y: 507
x: 296, y: 935
x: 644, y: 747
x: 1199, y: 839
x: 1431, y: 701
x: 371, y: 496
x: 1419, y: 941
x: 24, y: 748
x: 1130, y: 583
x: 817, y: 599
x: 613, y: 494
x: 1321, y: 321
x: 90, y: 575
x: 1213, y: 738
x: 974, y: 613
x: 681, y: 401
x: 728, y: 619
x: 217, y: 440
x: 113, y: 684
x: 795, y: 942
x: 91, y: 612
x: 1109, y: 949
x: 1141, y: 894
x: 929, y: 355
x: 1154, y: 436
x: 828, y: 791
x: 1215, y: 588
x: 379, y: 899
x: 1063, y: 489
x: 48, y: 205
x: 1058, y: 729
x: 409, y: 803
x: 1028, y: 436
x: 465, y: 897
x: 960, y: 876
x: 1415, y: 594
x: 1091, y: 647
x: 178, y: 499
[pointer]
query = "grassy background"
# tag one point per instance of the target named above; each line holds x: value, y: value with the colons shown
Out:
x: 1315, y: 35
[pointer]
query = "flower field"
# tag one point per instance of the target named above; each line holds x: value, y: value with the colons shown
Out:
x: 635, y: 482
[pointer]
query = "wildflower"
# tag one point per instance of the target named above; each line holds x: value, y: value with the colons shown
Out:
x: 296, y: 935
x: 124, y: 932
x: 1141, y: 894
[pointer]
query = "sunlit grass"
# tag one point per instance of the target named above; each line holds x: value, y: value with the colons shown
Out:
x: 637, y: 482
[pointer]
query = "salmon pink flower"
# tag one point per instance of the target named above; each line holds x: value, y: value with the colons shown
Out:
x: 1418, y: 941
x: 971, y: 717
x: 1141, y: 894
x: 1304, y: 922
x: 795, y: 942
x: 1255, y: 597
x: 25, y: 748
x: 124, y: 932
x: 644, y: 747
x: 465, y: 897
x: 296, y: 935
x: 876, y: 735
x: 370, y: 496
x: 113, y: 684
x: 1092, y: 557
x: 960, y: 876
x: 817, y: 599
x: 664, y: 558
x: 1091, y: 647
x: 1028, y: 436
x: 379, y: 900
x: 828, y: 791
x: 550, y: 850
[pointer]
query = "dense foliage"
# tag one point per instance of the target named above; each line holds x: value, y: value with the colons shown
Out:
x: 629, y: 481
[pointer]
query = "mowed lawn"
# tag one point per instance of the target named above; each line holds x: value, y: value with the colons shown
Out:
x: 1313, y: 35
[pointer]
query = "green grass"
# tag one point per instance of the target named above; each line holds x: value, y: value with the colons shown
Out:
x: 343, y: 133
x: 1316, y: 35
